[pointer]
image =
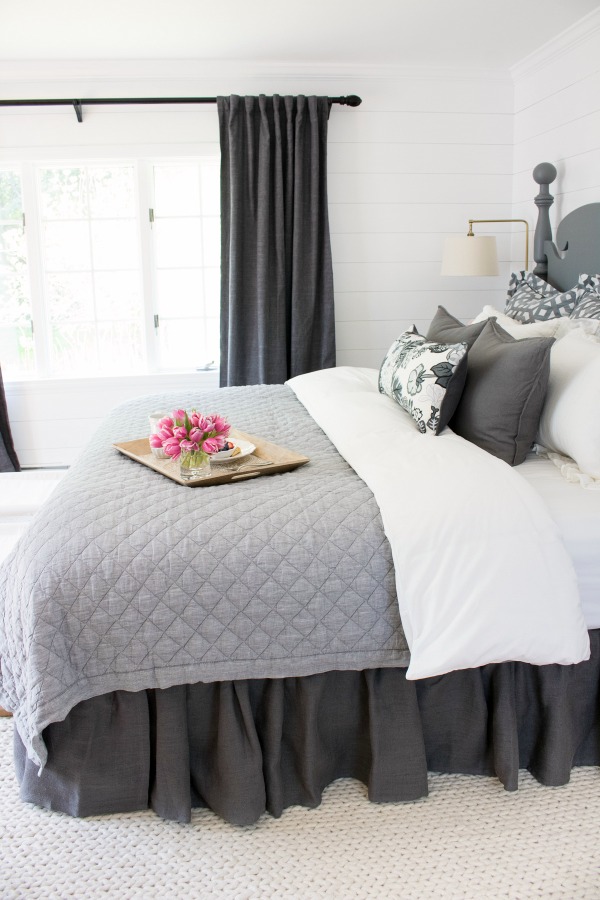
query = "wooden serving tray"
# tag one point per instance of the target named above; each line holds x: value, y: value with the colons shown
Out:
x: 265, y: 460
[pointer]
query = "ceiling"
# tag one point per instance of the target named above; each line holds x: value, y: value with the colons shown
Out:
x: 387, y: 32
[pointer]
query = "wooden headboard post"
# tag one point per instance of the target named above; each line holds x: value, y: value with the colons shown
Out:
x: 544, y: 174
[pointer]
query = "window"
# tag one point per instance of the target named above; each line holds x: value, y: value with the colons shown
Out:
x: 186, y: 235
x: 123, y: 258
x: 16, y: 336
x: 91, y: 269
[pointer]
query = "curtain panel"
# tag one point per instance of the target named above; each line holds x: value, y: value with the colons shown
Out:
x: 8, y: 456
x: 277, y: 306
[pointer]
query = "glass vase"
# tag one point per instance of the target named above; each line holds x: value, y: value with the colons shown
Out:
x: 195, y: 464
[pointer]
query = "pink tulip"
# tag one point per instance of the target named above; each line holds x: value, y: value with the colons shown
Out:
x: 172, y: 448
x: 179, y: 416
x: 180, y: 433
x: 220, y: 425
x: 155, y: 441
x: 211, y: 445
x: 165, y: 422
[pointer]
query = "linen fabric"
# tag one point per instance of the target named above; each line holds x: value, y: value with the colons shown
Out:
x: 459, y: 596
x: 588, y: 298
x: 531, y: 299
x: 244, y: 747
x: 570, y: 421
x: 277, y: 306
x: 504, y: 393
x: 445, y: 328
x: 425, y: 378
x: 128, y: 580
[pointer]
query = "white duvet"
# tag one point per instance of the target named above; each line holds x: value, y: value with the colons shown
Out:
x: 482, y: 573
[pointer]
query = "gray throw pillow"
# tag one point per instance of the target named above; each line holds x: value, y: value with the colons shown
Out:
x: 449, y: 330
x: 504, y: 393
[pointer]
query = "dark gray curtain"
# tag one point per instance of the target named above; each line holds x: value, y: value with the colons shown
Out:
x: 277, y: 315
x: 8, y: 457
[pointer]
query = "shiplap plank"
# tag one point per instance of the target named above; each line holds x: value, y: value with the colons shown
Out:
x: 450, y: 159
x: 425, y: 127
x: 379, y: 306
x: 389, y: 276
x: 565, y: 107
x: 393, y: 187
x: 392, y: 247
x: 375, y: 218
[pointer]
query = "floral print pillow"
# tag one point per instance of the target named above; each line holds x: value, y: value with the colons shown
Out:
x: 425, y: 378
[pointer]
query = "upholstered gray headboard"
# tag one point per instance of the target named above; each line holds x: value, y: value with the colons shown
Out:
x: 577, y: 245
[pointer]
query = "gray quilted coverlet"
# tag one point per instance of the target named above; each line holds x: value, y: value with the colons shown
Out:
x: 127, y: 580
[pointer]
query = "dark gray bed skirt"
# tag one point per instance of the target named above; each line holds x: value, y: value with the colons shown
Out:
x: 244, y: 747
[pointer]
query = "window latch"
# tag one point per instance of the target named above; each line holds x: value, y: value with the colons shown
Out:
x: 156, y: 321
x: 23, y: 218
x: 151, y: 217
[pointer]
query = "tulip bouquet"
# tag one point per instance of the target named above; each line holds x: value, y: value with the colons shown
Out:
x: 191, y: 437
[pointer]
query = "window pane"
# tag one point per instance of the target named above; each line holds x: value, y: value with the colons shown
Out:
x: 16, y: 336
x: 114, y: 244
x: 74, y: 349
x: 10, y: 195
x: 70, y: 297
x: 118, y: 295
x: 212, y: 291
x: 211, y: 233
x: 66, y: 246
x: 63, y: 193
x: 178, y: 242
x: 176, y: 191
x: 16, y: 350
x: 92, y: 287
x: 183, y: 343
x: 180, y: 293
x: 111, y: 192
x: 110, y: 348
x: 211, y: 189
x: 121, y: 347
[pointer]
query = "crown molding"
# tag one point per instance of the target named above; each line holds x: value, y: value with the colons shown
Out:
x: 585, y: 29
x: 54, y: 73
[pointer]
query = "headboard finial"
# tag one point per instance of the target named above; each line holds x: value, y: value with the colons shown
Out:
x: 544, y: 174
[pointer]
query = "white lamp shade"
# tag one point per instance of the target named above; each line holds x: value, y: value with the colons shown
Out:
x: 470, y: 255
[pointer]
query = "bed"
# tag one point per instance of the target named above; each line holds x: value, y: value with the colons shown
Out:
x: 242, y: 646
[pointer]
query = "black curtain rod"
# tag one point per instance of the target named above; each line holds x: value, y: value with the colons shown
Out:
x: 77, y: 105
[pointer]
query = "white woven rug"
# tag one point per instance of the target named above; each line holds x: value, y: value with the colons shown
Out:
x: 468, y: 839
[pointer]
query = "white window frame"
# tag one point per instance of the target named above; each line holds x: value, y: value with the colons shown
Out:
x: 28, y: 166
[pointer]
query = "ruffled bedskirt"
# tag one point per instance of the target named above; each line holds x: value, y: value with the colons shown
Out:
x: 244, y: 747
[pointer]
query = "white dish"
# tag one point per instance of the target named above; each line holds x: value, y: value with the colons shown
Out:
x: 246, y: 448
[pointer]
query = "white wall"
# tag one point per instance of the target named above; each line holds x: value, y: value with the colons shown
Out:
x: 557, y: 119
x: 424, y: 152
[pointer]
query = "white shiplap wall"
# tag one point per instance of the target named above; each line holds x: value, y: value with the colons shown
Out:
x: 557, y: 119
x: 426, y: 151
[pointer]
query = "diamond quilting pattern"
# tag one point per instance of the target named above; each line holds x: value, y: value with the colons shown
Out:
x: 128, y: 580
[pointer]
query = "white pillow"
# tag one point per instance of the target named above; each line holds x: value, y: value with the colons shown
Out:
x: 520, y: 330
x: 587, y: 326
x: 570, y: 421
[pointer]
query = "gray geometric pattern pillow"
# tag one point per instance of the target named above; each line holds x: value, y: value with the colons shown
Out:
x: 425, y: 378
x: 588, y: 298
x: 530, y: 299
